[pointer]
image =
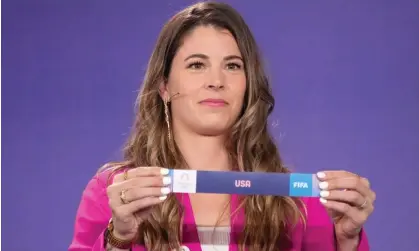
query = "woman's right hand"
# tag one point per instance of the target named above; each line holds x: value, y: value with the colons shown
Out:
x: 131, y: 196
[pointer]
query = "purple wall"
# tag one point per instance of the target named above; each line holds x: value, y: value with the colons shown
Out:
x: 345, y: 75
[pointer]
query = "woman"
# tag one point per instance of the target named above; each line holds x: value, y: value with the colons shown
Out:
x: 204, y: 105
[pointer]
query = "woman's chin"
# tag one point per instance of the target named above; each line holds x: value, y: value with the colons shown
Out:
x: 212, y: 131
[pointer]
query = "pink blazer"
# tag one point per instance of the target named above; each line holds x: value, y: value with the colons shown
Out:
x: 94, y: 213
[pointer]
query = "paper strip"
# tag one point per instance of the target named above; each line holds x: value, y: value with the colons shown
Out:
x: 244, y: 183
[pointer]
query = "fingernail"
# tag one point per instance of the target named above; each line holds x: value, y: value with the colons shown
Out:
x: 167, y: 180
x: 323, y: 185
x: 324, y: 193
x: 321, y: 175
x: 165, y: 190
x: 163, y: 197
x: 164, y: 171
x: 323, y: 200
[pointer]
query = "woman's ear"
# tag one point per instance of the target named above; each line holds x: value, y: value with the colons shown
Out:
x: 163, y: 91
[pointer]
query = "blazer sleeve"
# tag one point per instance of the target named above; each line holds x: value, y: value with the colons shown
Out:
x: 92, y: 218
x: 320, y: 233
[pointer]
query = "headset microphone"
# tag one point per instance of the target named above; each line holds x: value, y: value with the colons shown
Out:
x: 174, y: 95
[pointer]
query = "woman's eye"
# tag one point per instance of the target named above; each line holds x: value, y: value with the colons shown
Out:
x: 196, y: 65
x: 233, y: 66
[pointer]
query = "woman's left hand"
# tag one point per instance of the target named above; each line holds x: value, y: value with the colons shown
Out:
x: 349, y: 200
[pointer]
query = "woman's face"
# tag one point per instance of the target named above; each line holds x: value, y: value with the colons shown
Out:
x: 208, y: 73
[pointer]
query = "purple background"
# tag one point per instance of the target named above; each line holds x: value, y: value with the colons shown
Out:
x: 345, y: 76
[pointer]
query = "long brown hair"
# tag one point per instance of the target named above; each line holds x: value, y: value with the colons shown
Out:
x: 249, y: 143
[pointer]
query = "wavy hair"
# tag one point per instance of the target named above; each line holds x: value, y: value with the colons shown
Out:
x: 249, y: 143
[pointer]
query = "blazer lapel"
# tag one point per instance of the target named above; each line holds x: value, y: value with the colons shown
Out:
x: 190, y: 238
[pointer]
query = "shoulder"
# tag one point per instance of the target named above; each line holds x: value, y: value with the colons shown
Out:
x: 94, y: 201
x: 93, y: 213
x: 96, y: 188
x: 104, y: 177
x: 106, y: 174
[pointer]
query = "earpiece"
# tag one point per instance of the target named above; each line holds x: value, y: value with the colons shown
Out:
x: 174, y: 95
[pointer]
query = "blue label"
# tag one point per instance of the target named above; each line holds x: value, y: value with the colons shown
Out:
x: 245, y: 183
x: 301, y: 185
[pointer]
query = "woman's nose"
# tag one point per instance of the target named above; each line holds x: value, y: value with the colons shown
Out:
x: 216, y: 82
x: 215, y: 85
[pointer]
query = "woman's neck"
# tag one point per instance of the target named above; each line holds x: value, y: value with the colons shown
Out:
x: 202, y: 152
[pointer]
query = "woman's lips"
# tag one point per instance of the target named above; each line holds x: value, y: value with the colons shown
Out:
x: 214, y: 102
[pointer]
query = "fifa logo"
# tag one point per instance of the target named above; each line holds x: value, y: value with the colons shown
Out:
x: 300, y: 185
x: 242, y: 183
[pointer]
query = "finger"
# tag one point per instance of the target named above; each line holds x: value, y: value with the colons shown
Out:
x: 330, y: 175
x: 127, y: 210
x: 141, y: 172
x: 132, y: 188
x: 148, y: 171
x: 352, y: 183
x: 356, y: 216
x: 349, y: 196
x: 373, y: 197
x: 152, y: 181
x: 144, y: 192
x: 366, y: 182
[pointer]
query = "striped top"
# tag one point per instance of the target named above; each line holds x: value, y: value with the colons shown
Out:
x: 214, y: 238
